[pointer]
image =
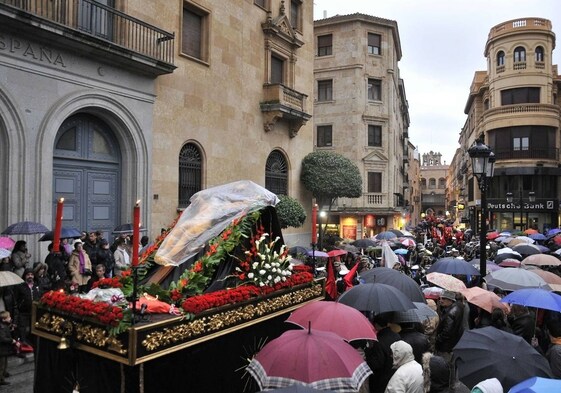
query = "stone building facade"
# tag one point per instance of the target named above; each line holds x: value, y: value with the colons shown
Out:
x: 361, y: 112
x: 514, y: 106
x: 120, y: 100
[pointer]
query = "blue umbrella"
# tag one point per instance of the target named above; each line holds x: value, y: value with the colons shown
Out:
x: 401, y: 251
x: 553, y: 232
x: 534, y: 297
x: 25, y: 228
x: 318, y: 254
x: 65, y: 233
x: 453, y: 265
x: 537, y: 236
x: 537, y: 385
x: 387, y: 235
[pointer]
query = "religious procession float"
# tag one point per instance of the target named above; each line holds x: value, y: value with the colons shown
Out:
x: 211, y: 291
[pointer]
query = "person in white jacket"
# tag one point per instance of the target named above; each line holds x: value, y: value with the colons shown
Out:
x: 408, y: 378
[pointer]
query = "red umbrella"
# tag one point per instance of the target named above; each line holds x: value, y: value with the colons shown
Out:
x: 492, y: 235
x: 484, y: 299
x: 320, y: 360
x: 336, y: 253
x: 334, y: 317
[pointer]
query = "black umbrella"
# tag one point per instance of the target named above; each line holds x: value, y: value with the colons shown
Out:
x: 364, y: 243
x: 492, y: 353
x: 126, y: 228
x: 377, y: 298
x: 65, y: 233
x: 507, y: 255
x: 25, y: 228
x: 297, y: 388
x: 401, y: 281
x: 526, y: 249
x: 453, y: 265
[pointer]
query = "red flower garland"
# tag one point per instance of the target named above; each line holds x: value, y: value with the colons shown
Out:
x: 108, y: 283
x: 103, y: 312
x: 200, y: 303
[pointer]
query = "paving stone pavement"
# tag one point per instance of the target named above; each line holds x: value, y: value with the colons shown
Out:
x: 21, y: 375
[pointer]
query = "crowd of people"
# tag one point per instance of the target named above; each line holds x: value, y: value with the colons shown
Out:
x: 419, y: 357
x: 75, y: 267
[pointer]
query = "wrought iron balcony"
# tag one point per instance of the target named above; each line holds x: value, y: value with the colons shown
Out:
x: 281, y: 102
x: 545, y: 153
x: 95, y: 25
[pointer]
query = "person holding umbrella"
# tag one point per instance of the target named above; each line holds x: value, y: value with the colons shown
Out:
x: 450, y: 328
x: 21, y: 259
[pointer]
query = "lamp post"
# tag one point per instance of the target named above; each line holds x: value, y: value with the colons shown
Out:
x: 482, y: 167
x: 531, y: 198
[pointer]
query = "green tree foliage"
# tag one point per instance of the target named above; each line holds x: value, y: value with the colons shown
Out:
x: 329, y: 176
x: 290, y: 212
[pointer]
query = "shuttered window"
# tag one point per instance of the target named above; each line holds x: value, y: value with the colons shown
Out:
x: 374, y: 182
x: 325, y: 45
x: 194, y: 34
x: 374, y: 41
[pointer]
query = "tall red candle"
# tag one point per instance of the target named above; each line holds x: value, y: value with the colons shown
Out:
x: 58, y: 225
x: 135, y: 233
x: 314, y: 223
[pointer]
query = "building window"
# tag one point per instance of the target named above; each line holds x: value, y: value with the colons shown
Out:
x: 539, y: 54
x: 276, y: 173
x: 519, y: 54
x: 324, y: 136
x: 500, y: 58
x: 442, y: 183
x: 295, y: 14
x: 432, y: 183
x: 261, y: 3
x: 325, y: 45
x: 520, y: 143
x: 486, y: 104
x: 374, y: 41
x: 374, y: 135
x: 374, y: 182
x: 194, y: 33
x: 374, y: 90
x: 522, y: 95
x: 325, y: 90
x: 190, y: 173
x: 277, y: 69
x: 423, y: 184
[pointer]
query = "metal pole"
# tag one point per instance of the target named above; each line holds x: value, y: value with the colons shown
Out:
x: 483, y: 232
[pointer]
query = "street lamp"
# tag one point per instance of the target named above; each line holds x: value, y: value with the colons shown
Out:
x: 482, y: 167
x: 322, y: 215
x: 531, y: 198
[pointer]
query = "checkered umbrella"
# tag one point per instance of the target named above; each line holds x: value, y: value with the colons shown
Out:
x: 317, y: 359
x: 25, y: 228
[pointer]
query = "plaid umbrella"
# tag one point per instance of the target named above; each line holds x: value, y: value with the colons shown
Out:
x: 320, y: 360
x: 419, y: 314
x: 25, y: 228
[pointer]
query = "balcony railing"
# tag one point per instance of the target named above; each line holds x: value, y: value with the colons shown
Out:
x: 280, y: 101
x: 373, y: 199
x: 103, y: 22
x: 550, y: 153
x: 522, y: 108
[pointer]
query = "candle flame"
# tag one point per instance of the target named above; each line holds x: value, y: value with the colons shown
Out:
x: 61, y: 200
x: 138, y: 203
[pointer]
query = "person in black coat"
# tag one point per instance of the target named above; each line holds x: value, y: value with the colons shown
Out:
x: 522, y: 322
x: 379, y: 355
x: 450, y: 327
x: 56, y: 268
x: 106, y: 257
x: 26, y: 293
x: 412, y: 334
x: 6, y: 344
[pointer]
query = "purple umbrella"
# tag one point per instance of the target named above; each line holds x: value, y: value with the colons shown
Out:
x: 25, y: 228
x: 537, y: 236
x: 491, y: 266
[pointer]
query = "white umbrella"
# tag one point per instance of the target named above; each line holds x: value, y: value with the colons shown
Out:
x: 4, y: 253
x: 8, y: 278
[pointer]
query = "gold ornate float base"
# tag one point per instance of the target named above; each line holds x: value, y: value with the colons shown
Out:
x: 163, y: 334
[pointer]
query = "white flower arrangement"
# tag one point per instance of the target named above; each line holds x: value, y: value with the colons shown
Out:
x: 264, y: 266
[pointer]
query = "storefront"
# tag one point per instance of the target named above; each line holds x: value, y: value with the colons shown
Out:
x: 541, y: 214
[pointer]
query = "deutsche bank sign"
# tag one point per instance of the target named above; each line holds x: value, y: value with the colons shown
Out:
x: 544, y: 205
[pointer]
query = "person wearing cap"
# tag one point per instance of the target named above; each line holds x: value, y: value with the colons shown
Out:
x: 450, y: 328
x: 25, y: 294
x: 80, y: 266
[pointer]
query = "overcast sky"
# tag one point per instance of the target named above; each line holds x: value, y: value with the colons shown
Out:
x: 442, y: 43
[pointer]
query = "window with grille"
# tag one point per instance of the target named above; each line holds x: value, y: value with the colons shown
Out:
x: 374, y: 182
x: 194, y: 32
x: 276, y: 173
x: 325, y: 45
x: 324, y: 136
x: 374, y: 90
x: 374, y: 41
x: 374, y: 135
x: 190, y: 173
x: 325, y: 90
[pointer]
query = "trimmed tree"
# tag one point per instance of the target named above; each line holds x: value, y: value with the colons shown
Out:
x: 329, y: 176
x: 290, y: 212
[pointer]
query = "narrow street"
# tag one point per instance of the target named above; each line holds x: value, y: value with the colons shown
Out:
x: 21, y: 375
